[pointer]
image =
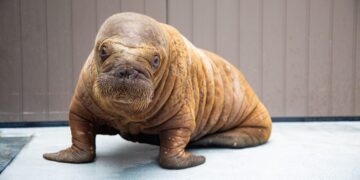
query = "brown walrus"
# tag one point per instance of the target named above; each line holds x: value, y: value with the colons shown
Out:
x: 145, y: 81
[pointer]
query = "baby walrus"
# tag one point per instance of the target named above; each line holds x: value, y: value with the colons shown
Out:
x: 148, y: 83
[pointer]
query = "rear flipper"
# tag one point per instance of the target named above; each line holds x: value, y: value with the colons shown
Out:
x: 236, y: 138
x: 254, y: 131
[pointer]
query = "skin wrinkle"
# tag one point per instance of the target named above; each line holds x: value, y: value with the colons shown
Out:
x: 192, y: 98
x: 210, y: 95
x: 159, y: 91
x: 218, y: 106
x: 166, y: 97
x: 220, y: 122
x: 225, y: 117
x: 241, y: 112
x: 202, y: 96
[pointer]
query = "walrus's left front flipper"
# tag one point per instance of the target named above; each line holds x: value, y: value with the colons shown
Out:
x: 83, y: 138
x: 172, y: 150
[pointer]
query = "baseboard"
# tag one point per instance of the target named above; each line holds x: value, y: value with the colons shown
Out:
x: 274, y: 119
x: 316, y: 119
x: 33, y: 124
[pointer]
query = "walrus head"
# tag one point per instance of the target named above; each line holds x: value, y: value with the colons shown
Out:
x: 130, y: 56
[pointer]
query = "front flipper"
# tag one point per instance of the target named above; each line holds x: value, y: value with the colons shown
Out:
x: 83, y: 138
x: 172, y: 150
x: 71, y: 155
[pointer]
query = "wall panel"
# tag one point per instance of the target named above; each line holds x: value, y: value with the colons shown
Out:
x: 133, y: 6
x: 251, y: 39
x: 83, y: 33
x: 227, y: 30
x: 105, y: 9
x: 156, y: 9
x: 320, y: 36
x: 11, y: 62
x: 274, y: 43
x: 204, y: 24
x: 342, y: 89
x: 34, y: 60
x: 60, y: 69
x: 180, y: 15
x: 296, y: 77
x: 302, y: 57
x: 357, y: 60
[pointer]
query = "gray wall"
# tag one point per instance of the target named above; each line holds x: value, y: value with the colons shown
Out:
x: 301, y: 56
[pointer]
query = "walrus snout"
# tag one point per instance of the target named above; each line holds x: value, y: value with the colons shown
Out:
x: 127, y: 73
x: 130, y: 73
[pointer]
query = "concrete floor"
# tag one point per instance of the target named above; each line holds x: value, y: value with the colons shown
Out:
x: 295, y: 151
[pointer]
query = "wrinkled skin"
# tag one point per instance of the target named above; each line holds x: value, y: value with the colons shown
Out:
x: 145, y: 81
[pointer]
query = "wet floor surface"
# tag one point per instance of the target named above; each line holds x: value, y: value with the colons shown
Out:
x: 9, y: 148
x: 295, y: 151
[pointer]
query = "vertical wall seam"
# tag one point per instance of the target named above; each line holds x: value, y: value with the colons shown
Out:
x: 216, y: 9
x: 357, y: 53
x: 69, y: 50
x: 119, y: 6
x: 72, y: 46
x: 285, y: 58
x: 21, y: 88
x: 261, y: 44
x: 47, y: 113
x: 239, y: 34
x: 307, y: 49
x: 167, y: 11
x: 354, y: 55
x: 96, y: 15
x: 215, y: 24
x: 330, y: 112
x: 143, y: 7
x: 192, y: 20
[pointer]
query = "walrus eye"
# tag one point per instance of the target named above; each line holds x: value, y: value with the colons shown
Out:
x: 155, y: 62
x: 102, y: 53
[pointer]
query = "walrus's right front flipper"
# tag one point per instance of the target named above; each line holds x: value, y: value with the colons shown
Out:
x: 70, y: 155
x: 172, y: 150
x: 83, y: 138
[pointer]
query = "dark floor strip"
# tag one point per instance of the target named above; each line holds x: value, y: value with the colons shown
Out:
x: 316, y: 119
x: 33, y: 124
x: 10, y: 147
x: 275, y: 119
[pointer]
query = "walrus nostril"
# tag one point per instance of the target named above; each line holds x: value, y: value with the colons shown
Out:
x: 121, y: 73
x: 134, y: 74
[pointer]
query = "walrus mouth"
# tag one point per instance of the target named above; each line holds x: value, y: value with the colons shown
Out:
x: 125, y: 85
